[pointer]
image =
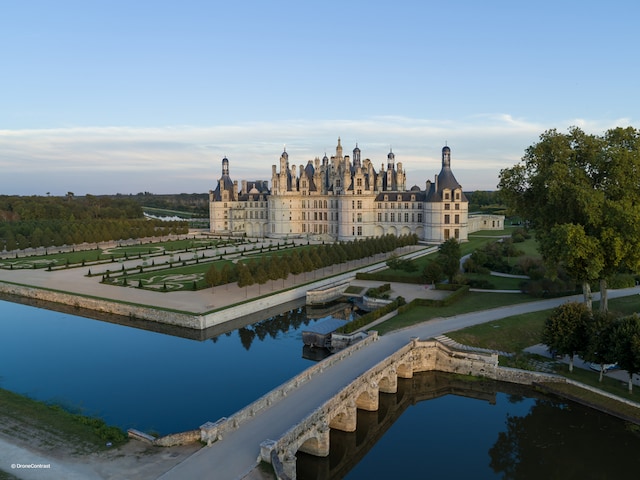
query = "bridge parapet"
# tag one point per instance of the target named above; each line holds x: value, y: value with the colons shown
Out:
x: 340, y: 412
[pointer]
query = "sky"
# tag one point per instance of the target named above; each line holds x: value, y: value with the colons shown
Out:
x: 106, y: 97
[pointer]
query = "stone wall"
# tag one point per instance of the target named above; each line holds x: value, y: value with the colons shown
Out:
x: 107, y: 306
x: 320, y: 296
x: 182, y: 438
x: 226, y: 425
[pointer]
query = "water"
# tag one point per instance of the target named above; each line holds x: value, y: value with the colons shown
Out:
x: 441, y: 426
x: 134, y: 378
x: 436, y: 426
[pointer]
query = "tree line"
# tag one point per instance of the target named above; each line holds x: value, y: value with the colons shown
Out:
x: 598, y: 337
x: 36, y: 221
x: 280, y: 265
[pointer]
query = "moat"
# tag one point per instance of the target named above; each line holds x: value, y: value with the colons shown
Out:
x: 172, y: 380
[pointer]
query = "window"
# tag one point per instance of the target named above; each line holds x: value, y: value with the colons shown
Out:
x: 406, y: 217
x: 456, y: 219
x: 446, y: 196
x: 304, y: 215
x: 386, y: 217
x: 457, y: 206
x: 393, y: 217
x: 325, y: 216
x: 315, y: 215
x: 399, y: 198
x: 359, y: 204
x: 446, y: 219
x: 446, y: 234
x: 419, y: 217
x: 406, y: 206
x: 456, y: 233
x: 447, y: 206
x: 360, y: 231
x: 379, y: 216
x: 359, y: 218
x: 353, y: 204
x: 359, y: 182
x: 325, y: 204
x: 457, y: 195
x: 380, y: 205
x: 359, y: 192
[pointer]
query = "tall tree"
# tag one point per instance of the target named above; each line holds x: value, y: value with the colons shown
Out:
x: 581, y: 188
x: 449, y: 258
x: 566, y: 330
x: 601, y: 347
x: 626, y: 335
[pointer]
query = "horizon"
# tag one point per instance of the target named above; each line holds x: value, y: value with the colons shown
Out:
x: 150, y: 96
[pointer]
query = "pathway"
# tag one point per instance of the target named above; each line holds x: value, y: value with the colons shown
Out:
x: 236, y: 455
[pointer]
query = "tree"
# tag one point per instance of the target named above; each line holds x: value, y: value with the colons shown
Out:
x: 566, y: 330
x: 261, y: 277
x: 570, y: 181
x: 626, y: 336
x: 212, y: 276
x: 601, y: 347
x: 579, y: 253
x: 244, y: 277
x: 449, y: 258
x: 432, y: 272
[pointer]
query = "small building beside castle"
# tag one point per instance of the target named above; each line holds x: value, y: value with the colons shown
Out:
x: 343, y: 198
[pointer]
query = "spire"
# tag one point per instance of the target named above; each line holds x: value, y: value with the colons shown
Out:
x: 446, y: 157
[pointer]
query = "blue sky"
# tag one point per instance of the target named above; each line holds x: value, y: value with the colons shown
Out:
x: 128, y: 96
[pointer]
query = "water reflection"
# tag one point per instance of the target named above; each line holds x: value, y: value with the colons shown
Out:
x: 460, y: 433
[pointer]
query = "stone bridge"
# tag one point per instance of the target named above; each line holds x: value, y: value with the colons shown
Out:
x: 340, y: 412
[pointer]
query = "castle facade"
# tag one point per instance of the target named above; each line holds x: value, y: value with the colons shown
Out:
x: 341, y: 198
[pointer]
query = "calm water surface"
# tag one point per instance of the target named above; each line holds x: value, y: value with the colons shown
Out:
x: 141, y: 379
x: 440, y: 426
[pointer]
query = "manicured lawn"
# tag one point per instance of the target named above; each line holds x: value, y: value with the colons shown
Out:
x: 511, y: 334
x: 499, y: 283
x: 470, y: 302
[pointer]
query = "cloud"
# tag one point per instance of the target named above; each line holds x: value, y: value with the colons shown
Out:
x: 187, y: 158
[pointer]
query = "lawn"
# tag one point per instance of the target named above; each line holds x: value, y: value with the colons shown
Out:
x: 80, y: 257
x: 499, y: 283
x: 470, y: 302
x: 513, y: 334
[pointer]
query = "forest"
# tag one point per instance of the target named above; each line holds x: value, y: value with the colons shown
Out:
x: 45, y: 221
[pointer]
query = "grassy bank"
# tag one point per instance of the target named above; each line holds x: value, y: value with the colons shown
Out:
x: 50, y: 426
x: 514, y: 334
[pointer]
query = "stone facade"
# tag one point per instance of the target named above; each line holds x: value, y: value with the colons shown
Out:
x: 341, y: 198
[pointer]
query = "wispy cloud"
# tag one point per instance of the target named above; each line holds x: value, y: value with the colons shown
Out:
x: 187, y: 158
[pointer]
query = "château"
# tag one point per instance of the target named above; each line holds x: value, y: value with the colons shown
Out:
x: 344, y: 198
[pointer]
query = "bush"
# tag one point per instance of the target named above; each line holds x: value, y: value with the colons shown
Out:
x: 622, y: 280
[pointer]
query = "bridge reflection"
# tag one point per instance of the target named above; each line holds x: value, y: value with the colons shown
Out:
x: 348, y: 448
